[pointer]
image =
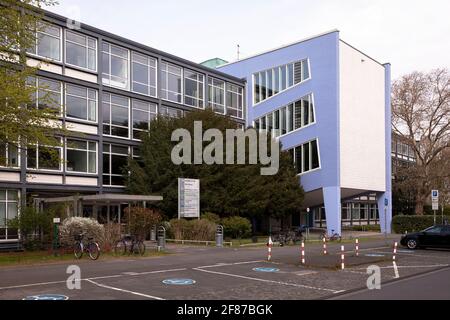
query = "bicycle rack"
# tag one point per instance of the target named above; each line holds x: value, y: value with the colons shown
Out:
x: 161, y: 233
x: 219, y: 236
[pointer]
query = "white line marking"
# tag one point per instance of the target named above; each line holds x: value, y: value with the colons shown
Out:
x: 417, y: 255
x: 429, y: 266
x: 264, y: 280
x: 305, y: 273
x: 87, y: 279
x: 230, y: 264
x: 123, y: 290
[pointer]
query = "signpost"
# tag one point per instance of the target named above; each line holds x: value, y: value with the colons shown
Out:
x: 386, y: 203
x: 188, y: 198
x: 56, y: 222
x: 434, y: 203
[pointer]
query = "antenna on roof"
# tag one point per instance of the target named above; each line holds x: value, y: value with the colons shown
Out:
x: 238, y: 51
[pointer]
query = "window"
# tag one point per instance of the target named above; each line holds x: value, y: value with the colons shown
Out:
x: 9, y: 155
x: 115, y: 66
x: 9, y: 209
x: 216, y: 89
x: 170, y: 112
x: 48, y: 42
x: 144, y: 75
x: 193, y: 89
x: 81, y: 156
x: 115, y: 115
x: 48, y: 93
x: 171, y: 83
x: 41, y: 157
x: 81, y: 103
x: 270, y: 82
x: 115, y: 158
x: 293, y: 116
x: 143, y: 114
x: 234, y: 101
x: 306, y: 157
x: 81, y: 51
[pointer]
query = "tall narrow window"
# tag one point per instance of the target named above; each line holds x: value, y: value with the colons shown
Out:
x: 48, y: 42
x: 269, y: 83
x: 81, y: 51
x: 235, y: 102
x: 9, y: 204
x: 9, y: 155
x: 81, y: 103
x: 283, y: 118
x: 276, y: 81
x: 314, y: 155
x: 298, y: 159
x: 263, y: 86
x: 290, y: 72
x: 305, y: 106
x: 257, y: 88
x: 276, y: 123
x: 306, y: 157
x: 216, y: 90
x: 171, y: 82
x: 143, y: 74
x: 193, y: 89
x: 115, y: 66
x: 283, y: 75
x: 298, y: 115
x: 115, y: 115
x: 81, y: 156
x: 143, y: 114
x: 115, y: 159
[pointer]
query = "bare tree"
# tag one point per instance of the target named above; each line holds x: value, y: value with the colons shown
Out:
x: 421, y: 118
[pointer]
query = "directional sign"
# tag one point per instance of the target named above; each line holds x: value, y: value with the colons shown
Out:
x: 179, y: 282
x: 52, y: 297
x: 266, y: 269
x: 188, y: 198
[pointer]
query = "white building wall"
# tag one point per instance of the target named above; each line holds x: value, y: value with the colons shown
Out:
x: 362, y: 117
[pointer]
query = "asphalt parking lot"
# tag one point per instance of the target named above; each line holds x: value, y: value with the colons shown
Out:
x: 194, y: 273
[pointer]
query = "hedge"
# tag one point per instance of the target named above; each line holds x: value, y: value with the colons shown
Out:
x: 401, y: 223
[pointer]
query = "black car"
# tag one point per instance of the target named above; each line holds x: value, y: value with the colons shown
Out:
x: 436, y: 236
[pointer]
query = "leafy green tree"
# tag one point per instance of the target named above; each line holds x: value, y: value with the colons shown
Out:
x: 21, y: 121
x: 226, y: 190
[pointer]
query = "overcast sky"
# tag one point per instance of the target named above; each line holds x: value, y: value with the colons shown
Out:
x: 411, y: 34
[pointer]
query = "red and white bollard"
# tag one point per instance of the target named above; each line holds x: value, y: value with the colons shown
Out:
x: 324, y: 245
x: 342, y: 258
x: 395, y: 250
x: 269, y: 249
x: 357, y: 247
x: 303, y: 252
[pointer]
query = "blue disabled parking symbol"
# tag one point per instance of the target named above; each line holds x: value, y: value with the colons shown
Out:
x: 51, y: 297
x: 179, y: 282
x: 266, y: 269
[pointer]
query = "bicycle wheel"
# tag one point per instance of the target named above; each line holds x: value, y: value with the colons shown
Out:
x: 78, y: 250
x: 120, y: 248
x: 94, y: 250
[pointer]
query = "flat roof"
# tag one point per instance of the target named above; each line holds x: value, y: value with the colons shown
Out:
x: 106, y: 197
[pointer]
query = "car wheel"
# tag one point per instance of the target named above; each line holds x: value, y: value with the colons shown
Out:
x: 412, y: 244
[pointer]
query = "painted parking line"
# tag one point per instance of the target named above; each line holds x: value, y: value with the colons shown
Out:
x: 92, y: 278
x: 268, y: 281
x: 418, y: 255
x: 223, y: 264
x: 404, y: 267
x: 123, y: 290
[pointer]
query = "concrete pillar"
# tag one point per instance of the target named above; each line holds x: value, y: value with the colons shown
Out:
x: 332, y: 200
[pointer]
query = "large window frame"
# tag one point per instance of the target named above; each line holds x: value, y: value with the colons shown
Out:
x: 36, y: 83
x: 233, y: 90
x: 271, y: 82
x: 42, y: 31
x: 217, y: 86
x: 299, y: 153
x: 87, y: 46
x: 7, y: 151
x: 91, y: 98
x: 108, y: 103
x: 150, y: 110
x: 167, y: 72
x: 170, y: 112
x: 152, y: 68
x: 91, y: 149
x: 9, y: 203
x: 37, y: 152
x: 108, y: 154
x: 107, y: 57
x: 197, y: 80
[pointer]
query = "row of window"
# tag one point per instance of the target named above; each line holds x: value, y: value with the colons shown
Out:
x: 288, y: 118
x: 306, y: 156
x: 403, y: 150
x: 352, y: 211
x: 270, y: 82
x: 81, y: 104
x: 129, y: 70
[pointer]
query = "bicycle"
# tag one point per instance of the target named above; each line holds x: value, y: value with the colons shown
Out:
x: 130, y: 244
x: 334, y: 236
x: 91, y: 247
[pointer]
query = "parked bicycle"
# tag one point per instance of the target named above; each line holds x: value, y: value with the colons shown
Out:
x: 129, y: 244
x: 334, y: 236
x: 89, y: 246
x: 288, y: 236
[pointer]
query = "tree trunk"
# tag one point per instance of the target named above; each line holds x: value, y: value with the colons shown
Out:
x: 420, y: 201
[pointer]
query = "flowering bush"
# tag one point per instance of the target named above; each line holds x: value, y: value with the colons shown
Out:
x: 73, y: 226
